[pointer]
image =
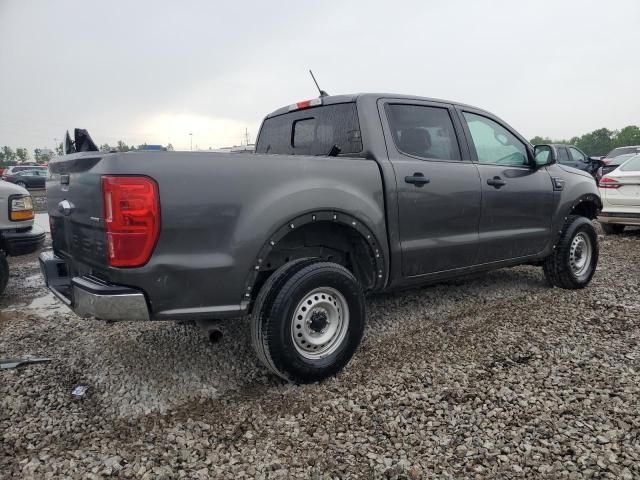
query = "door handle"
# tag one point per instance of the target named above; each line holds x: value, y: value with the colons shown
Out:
x: 496, y: 182
x: 417, y: 179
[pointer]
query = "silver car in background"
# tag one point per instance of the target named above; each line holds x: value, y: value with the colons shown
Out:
x: 620, y: 194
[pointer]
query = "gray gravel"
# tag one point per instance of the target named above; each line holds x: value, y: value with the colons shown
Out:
x: 495, y: 376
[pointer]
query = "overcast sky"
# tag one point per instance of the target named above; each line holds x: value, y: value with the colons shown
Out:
x: 153, y: 71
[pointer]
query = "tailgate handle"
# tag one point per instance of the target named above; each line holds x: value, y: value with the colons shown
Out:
x: 65, y: 207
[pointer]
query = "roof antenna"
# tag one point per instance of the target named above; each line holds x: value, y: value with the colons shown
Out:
x: 322, y: 92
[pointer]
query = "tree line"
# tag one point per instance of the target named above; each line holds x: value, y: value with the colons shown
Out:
x: 596, y: 143
x: 600, y: 141
x: 9, y: 156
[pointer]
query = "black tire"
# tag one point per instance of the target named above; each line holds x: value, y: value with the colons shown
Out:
x: 612, y: 228
x: 4, y: 273
x: 21, y: 184
x: 265, y: 297
x: 275, y: 320
x: 560, y: 267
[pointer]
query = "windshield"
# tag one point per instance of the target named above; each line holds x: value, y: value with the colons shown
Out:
x: 632, y: 165
x: 312, y: 131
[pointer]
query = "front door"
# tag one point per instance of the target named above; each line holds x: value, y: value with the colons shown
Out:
x: 438, y: 188
x: 517, y: 199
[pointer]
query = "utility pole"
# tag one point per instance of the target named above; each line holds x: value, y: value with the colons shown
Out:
x: 191, y: 141
x: 246, y: 136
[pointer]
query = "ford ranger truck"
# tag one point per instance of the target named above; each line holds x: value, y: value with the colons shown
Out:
x: 344, y: 196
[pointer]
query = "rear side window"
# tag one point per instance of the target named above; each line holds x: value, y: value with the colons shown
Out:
x: 312, y: 131
x: 422, y: 131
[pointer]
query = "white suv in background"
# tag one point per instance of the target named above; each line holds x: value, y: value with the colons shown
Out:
x: 620, y: 193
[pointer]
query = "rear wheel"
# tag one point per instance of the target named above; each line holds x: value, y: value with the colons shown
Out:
x: 612, y: 228
x: 573, y: 261
x: 308, y: 320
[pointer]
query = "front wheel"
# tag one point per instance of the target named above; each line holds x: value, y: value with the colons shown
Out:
x: 21, y: 184
x: 575, y: 257
x: 308, y: 321
x: 612, y: 228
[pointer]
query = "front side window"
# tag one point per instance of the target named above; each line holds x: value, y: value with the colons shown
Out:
x: 576, y: 155
x: 422, y: 131
x: 563, y: 156
x: 495, y: 145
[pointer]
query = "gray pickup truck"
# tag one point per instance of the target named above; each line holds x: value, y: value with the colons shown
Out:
x: 344, y: 196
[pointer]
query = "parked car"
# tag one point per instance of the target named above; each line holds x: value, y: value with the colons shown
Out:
x: 620, y: 192
x: 631, y: 149
x: 346, y: 196
x: 13, y: 169
x: 18, y: 234
x: 614, y: 163
x: 29, y: 178
x: 572, y: 156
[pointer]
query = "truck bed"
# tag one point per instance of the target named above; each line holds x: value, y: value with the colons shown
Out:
x: 217, y: 211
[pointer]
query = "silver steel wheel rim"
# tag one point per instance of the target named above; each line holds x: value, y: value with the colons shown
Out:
x: 580, y: 254
x: 320, y: 323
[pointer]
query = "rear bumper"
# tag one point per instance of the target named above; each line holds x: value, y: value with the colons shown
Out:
x: 621, y: 218
x: 90, y: 297
x: 23, y: 241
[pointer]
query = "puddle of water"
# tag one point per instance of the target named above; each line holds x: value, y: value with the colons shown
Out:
x: 47, y: 306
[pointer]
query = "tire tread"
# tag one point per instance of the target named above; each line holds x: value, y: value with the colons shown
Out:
x: 555, y: 266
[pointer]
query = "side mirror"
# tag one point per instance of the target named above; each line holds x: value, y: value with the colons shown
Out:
x: 543, y: 155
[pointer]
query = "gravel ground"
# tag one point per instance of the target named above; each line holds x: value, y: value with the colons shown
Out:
x: 495, y: 376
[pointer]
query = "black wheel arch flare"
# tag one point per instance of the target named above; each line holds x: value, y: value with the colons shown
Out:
x: 588, y: 197
x: 339, y: 217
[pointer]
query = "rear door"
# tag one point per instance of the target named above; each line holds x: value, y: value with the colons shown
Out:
x: 438, y: 187
x: 517, y: 199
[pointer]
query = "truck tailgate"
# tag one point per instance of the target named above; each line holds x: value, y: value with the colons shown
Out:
x: 75, y: 211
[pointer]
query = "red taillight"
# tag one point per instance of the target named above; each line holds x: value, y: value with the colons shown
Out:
x: 306, y: 104
x: 131, y: 212
x: 608, y: 182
